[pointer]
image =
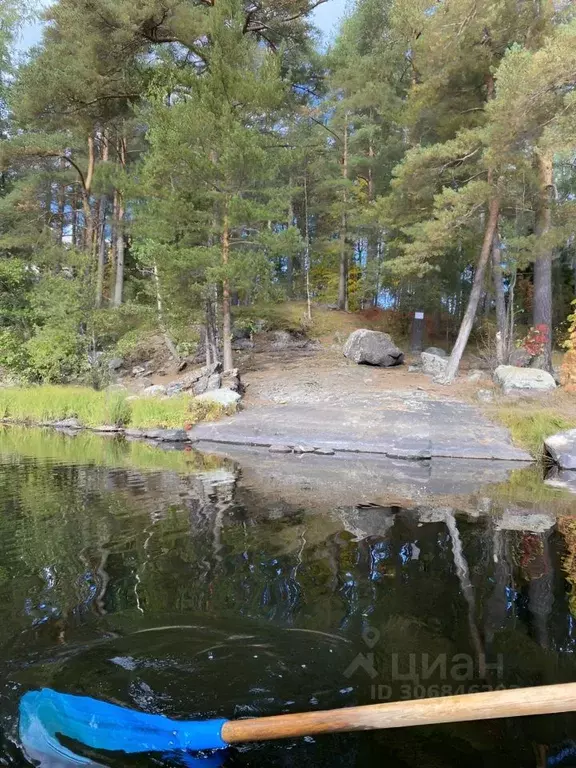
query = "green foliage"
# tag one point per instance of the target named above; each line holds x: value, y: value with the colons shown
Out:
x: 530, y: 427
x: 55, y: 403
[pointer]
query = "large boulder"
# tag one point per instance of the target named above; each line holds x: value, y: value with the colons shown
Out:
x: 562, y: 448
x: 436, y: 351
x: 433, y: 365
x: 373, y: 348
x: 512, y: 378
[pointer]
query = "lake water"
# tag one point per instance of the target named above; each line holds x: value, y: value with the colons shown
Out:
x: 181, y: 583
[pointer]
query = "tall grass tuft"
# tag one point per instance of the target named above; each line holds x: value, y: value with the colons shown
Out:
x: 41, y: 404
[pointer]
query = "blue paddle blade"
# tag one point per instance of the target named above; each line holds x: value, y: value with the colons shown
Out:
x: 46, y: 713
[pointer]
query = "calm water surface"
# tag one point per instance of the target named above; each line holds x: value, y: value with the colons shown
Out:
x: 171, y: 583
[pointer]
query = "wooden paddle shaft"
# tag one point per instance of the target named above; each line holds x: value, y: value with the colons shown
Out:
x: 541, y: 700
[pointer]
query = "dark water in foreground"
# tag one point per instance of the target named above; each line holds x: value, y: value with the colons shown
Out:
x: 184, y: 590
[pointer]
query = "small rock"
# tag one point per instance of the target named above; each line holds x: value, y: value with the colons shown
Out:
x: 208, y: 370
x: 373, y: 348
x: 106, y: 428
x: 511, y: 377
x: 231, y: 380
x: 485, y: 395
x: 156, y: 390
x: 182, y: 365
x: 436, y: 351
x: 174, y: 388
x: 304, y: 449
x: 115, y: 363
x: 434, y: 365
x: 225, y: 397
x: 67, y: 424
x: 200, y: 386
x: 282, y: 339
x: 241, y: 344
x: 324, y: 451
x: 414, y: 369
x: 138, y: 370
x: 280, y: 449
x: 153, y: 434
x: 475, y: 376
x: 214, y: 381
x: 173, y: 435
x: 562, y: 448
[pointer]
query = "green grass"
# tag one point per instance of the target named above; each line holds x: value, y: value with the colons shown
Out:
x: 85, y: 448
x: 34, y: 405
x: 530, y: 427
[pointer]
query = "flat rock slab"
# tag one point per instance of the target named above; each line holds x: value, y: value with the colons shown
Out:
x: 420, y: 430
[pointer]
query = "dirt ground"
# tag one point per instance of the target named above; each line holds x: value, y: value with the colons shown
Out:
x: 323, y: 374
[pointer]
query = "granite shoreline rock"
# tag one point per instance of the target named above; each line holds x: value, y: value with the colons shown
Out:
x: 372, y: 348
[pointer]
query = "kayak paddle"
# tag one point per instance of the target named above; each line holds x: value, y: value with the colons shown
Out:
x: 104, y: 726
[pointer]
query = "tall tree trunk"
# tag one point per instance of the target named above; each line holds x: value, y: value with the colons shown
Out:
x: 86, y: 201
x: 290, y: 258
x: 119, y: 229
x: 343, y: 273
x: 74, y: 217
x: 542, y: 307
x: 307, y: 245
x: 372, y: 239
x: 501, y: 315
x: 475, y: 294
x: 101, y: 233
x: 101, y: 240
x: 211, y: 333
x: 119, y: 256
x: 160, y: 314
x: 226, y: 316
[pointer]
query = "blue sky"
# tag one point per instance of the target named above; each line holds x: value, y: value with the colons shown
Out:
x: 326, y: 16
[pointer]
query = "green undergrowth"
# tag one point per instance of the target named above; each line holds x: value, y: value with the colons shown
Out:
x: 85, y: 448
x: 41, y: 404
x: 530, y: 425
x: 292, y: 316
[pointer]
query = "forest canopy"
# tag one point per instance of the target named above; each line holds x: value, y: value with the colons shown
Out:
x: 165, y: 164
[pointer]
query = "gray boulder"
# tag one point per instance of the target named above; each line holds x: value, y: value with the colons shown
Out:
x: 231, y: 380
x: 174, y: 388
x: 436, y: 351
x: 433, y: 365
x: 224, y: 397
x: 214, y: 381
x: 373, y: 348
x: 513, y: 378
x: 156, y: 390
x: 562, y: 448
